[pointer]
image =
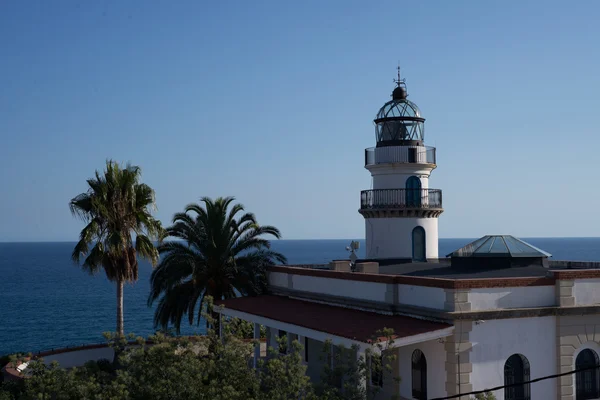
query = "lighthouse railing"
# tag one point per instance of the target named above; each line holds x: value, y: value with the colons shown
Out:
x: 400, y: 154
x: 401, y: 198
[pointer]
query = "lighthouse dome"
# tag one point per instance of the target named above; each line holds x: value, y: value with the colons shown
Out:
x: 399, y: 122
x: 399, y: 108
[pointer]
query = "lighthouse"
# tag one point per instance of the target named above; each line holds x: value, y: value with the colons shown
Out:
x: 400, y: 210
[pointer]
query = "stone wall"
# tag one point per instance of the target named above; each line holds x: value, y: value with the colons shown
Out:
x: 575, y: 333
x: 458, y: 360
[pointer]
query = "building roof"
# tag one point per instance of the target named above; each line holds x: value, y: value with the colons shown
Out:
x: 338, y: 321
x: 499, y: 246
x: 446, y: 271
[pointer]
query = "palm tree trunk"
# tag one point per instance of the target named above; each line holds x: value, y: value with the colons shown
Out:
x: 217, y: 322
x: 120, y: 329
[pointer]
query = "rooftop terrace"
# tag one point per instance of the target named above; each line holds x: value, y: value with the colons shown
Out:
x: 444, y: 269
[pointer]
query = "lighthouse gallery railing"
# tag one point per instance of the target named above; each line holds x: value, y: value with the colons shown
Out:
x: 401, y: 198
x: 400, y: 154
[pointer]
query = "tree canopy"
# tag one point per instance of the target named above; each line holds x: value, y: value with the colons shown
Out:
x: 219, y: 251
x: 115, y: 206
x: 198, y: 368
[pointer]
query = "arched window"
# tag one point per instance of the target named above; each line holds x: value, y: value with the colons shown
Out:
x: 419, y: 252
x: 419, y: 375
x: 587, y: 385
x: 413, y: 192
x: 516, y: 370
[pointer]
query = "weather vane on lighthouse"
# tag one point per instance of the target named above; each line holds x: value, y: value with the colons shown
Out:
x: 400, y: 92
x: 399, y: 81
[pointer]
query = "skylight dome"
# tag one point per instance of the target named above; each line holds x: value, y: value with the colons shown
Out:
x: 498, y: 251
x: 499, y: 246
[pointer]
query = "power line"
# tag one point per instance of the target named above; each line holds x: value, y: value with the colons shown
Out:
x: 456, y: 396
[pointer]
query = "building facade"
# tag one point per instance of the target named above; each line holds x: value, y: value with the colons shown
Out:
x: 493, y: 315
x: 458, y: 334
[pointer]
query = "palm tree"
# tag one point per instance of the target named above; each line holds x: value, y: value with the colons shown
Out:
x: 216, y: 254
x: 115, y: 206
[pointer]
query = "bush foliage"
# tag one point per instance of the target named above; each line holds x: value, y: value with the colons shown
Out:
x: 203, y: 367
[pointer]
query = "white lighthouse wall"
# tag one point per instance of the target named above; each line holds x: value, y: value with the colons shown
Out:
x: 394, y: 176
x: 397, y: 181
x: 494, y: 341
x: 399, y: 154
x: 392, y: 237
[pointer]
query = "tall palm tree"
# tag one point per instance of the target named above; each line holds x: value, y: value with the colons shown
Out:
x: 116, y: 206
x: 216, y: 253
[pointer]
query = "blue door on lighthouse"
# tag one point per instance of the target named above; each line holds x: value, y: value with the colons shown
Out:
x: 418, y: 244
x: 413, y: 192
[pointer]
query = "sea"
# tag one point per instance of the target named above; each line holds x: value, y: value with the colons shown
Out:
x: 48, y: 302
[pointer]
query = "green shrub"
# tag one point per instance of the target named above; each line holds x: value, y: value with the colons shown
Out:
x: 484, y: 396
x: 206, y: 367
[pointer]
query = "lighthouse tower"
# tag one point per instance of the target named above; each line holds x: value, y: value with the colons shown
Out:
x: 401, y: 211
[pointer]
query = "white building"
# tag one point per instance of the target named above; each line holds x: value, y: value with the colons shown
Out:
x: 493, y: 313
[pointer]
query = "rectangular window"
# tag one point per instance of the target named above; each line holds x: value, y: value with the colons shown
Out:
x: 412, y: 155
x: 305, y: 349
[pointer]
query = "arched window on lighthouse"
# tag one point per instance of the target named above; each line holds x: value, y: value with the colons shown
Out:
x: 413, y: 192
x: 516, y: 370
x: 587, y: 382
x: 418, y: 244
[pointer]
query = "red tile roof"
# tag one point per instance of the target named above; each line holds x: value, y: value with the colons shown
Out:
x: 344, y: 322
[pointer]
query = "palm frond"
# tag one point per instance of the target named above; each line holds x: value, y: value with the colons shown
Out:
x: 174, y: 305
x: 81, y: 206
x: 145, y: 248
x: 81, y: 248
x: 177, y: 264
x: 95, y: 259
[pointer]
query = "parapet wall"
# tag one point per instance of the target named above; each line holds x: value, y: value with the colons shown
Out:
x: 389, y: 292
x: 562, y: 264
x: 67, y: 357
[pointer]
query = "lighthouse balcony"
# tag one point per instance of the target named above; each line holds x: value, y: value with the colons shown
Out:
x: 401, y: 203
x: 400, y: 154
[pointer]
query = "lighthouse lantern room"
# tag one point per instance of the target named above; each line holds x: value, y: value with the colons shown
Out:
x: 401, y: 211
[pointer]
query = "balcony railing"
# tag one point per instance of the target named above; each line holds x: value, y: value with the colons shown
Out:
x: 400, y: 154
x: 400, y: 198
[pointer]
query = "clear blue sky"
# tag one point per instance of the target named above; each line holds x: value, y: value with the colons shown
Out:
x: 273, y: 102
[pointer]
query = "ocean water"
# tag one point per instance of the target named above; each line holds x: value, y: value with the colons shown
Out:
x: 48, y: 302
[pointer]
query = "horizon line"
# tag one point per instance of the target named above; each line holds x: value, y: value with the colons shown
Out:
x: 299, y: 240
